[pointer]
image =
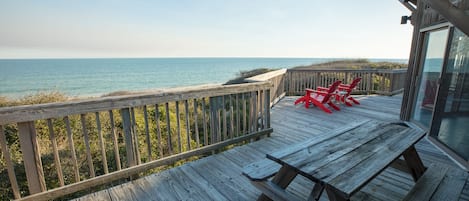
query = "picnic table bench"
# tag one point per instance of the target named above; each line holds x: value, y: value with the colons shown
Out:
x: 439, y: 182
x: 340, y: 162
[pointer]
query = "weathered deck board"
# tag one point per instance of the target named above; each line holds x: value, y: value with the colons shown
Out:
x: 218, y: 177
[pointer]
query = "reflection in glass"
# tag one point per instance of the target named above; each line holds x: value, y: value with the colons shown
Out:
x: 451, y: 121
x: 432, y: 62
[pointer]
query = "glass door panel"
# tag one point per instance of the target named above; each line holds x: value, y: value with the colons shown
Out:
x: 432, y: 63
x: 451, y: 118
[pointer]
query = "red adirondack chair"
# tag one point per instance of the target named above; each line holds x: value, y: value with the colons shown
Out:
x: 320, y: 97
x: 344, y: 90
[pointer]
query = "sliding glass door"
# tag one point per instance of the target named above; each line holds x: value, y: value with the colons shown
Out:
x: 450, y: 124
x: 431, y: 65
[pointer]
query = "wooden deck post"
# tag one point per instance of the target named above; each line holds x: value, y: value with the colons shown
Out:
x: 31, y: 157
x: 129, y: 144
x: 267, y: 110
x: 215, y: 105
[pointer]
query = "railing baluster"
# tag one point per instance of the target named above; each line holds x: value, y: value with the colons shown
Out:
x: 204, y: 113
x: 86, y: 138
x: 101, y: 143
x: 370, y: 86
x: 72, y: 149
x: 196, y: 124
x: 178, y: 127
x: 147, y: 133
x: 168, y: 128
x: 261, y: 112
x: 53, y: 141
x: 255, y: 110
x: 245, y: 130
x: 251, y: 112
x: 238, y: 122
x: 267, y: 109
x: 218, y: 125
x: 317, y: 77
x: 135, y: 136
x: 9, y: 164
x: 158, y: 130
x: 225, y: 126
x: 188, y: 125
x: 231, y: 117
x: 115, y: 142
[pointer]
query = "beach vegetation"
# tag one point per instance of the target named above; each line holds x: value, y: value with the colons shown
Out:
x: 242, y: 75
x: 354, y: 64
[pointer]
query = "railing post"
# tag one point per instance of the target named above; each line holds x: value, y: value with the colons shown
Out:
x: 317, y: 81
x: 391, y: 82
x: 370, y: 83
x: 267, y: 110
x: 289, y: 82
x: 129, y: 143
x: 215, y: 105
x: 31, y: 157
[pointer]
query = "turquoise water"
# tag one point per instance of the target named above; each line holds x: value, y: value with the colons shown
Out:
x: 95, y: 77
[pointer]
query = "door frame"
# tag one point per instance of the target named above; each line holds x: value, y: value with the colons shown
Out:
x: 418, y: 74
x: 440, y: 107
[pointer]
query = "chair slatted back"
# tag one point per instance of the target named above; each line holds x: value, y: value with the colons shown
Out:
x: 331, y: 91
x: 352, y: 86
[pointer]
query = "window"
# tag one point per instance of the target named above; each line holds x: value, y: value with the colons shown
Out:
x: 431, y: 66
x: 450, y: 123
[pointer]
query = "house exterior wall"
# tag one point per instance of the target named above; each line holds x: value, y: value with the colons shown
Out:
x: 427, y: 20
x: 423, y: 17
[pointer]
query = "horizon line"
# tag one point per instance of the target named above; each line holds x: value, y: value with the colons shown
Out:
x: 204, y: 57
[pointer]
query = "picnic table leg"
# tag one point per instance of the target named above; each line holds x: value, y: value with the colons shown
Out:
x: 335, y: 195
x: 316, y: 192
x: 414, y: 162
x: 282, y: 179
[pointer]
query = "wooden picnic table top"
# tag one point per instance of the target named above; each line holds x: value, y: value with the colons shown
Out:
x: 345, y: 160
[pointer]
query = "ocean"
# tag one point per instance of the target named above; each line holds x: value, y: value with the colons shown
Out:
x: 96, y: 77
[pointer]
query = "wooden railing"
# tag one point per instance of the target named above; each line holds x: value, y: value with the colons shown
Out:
x: 383, y: 82
x: 52, y: 150
x: 277, y: 79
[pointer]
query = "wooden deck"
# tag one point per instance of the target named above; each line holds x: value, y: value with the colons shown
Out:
x: 218, y: 177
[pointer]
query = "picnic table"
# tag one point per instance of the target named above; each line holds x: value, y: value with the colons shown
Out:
x: 340, y: 162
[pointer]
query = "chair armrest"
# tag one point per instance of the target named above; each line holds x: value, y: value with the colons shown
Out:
x: 322, y: 88
x: 318, y: 92
x: 310, y: 90
x: 344, y: 85
x: 343, y: 88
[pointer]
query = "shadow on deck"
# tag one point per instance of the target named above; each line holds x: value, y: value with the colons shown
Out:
x: 218, y: 177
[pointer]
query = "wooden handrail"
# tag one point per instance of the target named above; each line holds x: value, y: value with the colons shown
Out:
x: 277, y: 79
x: 51, y: 110
x: 380, y: 81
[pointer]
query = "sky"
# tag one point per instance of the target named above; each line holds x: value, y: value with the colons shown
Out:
x: 203, y: 28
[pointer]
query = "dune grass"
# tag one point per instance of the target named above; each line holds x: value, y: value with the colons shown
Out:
x: 354, y: 64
